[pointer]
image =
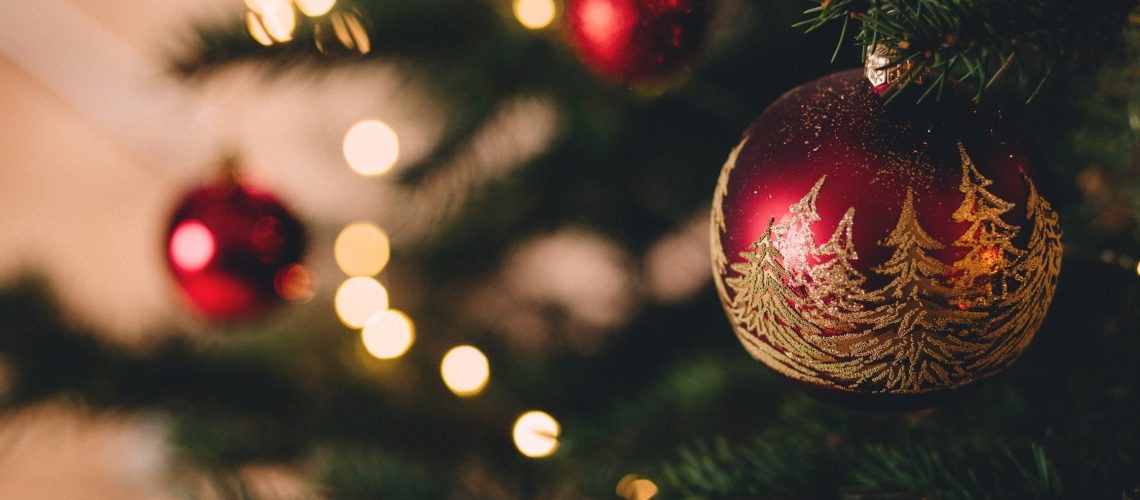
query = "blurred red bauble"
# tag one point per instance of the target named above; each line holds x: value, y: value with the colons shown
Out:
x: 882, y: 253
x: 235, y: 251
x: 637, y: 40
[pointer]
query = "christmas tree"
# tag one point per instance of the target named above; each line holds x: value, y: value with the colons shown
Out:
x: 544, y: 227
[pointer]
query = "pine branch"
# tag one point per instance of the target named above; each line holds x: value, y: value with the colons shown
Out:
x: 978, y: 41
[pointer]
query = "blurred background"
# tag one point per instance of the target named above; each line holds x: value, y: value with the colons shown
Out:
x: 538, y: 232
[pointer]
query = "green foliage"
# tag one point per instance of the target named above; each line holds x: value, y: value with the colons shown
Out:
x: 977, y: 41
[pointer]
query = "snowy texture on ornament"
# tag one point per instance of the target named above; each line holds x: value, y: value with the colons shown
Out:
x: 883, y: 251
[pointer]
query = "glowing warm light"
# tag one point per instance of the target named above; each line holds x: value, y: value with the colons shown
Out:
x: 362, y: 249
x: 388, y: 334
x: 371, y: 147
x: 295, y: 283
x: 192, y: 246
x: 357, y: 299
x: 256, y: 30
x: 260, y: 6
x: 465, y: 370
x: 535, y: 14
x: 632, y: 487
x: 1138, y: 269
x: 315, y: 8
x: 536, y: 434
x: 279, y: 20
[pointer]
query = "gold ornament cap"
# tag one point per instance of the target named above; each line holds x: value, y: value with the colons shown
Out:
x: 881, y: 69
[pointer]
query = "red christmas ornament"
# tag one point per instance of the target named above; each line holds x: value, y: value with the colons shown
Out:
x: 234, y: 250
x: 881, y: 252
x: 636, y: 40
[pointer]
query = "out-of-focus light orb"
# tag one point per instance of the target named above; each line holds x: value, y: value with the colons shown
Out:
x: 357, y: 299
x: 535, y: 14
x: 256, y: 30
x: 388, y: 334
x: 536, y: 434
x: 362, y: 249
x: 279, y: 20
x: 465, y: 370
x: 1138, y: 269
x: 260, y: 6
x: 192, y: 246
x: 315, y: 8
x: 371, y: 147
x: 295, y: 283
x: 634, y: 487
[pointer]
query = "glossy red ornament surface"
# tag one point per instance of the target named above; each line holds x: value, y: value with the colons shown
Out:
x: 631, y: 40
x: 909, y: 252
x: 231, y: 248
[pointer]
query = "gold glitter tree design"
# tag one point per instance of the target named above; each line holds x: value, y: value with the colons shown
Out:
x: 911, y: 345
x: 763, y: 302
x: 984, y: 270
x: 837, y: 294
x: 1023, y: 309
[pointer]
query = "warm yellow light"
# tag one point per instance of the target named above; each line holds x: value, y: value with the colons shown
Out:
x: 535, y: 14
x: 465, y: 370
x: 536, y: 434
x: 388, y: 334
x: 371, y: 147
x: 357, y: 299
x: 1138, y: 268
x: 279, y: 20
x: 314, y: 8
x: 256, y: 30
x: 632, y: 487
x: 260, y: 6
x: 362, y: 249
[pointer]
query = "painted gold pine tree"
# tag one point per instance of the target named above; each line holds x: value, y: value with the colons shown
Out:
x: 1023, y: 309
x: 837, y: 292
x: 717, y: 226
x: 763, y: 304
x: 912, y: 345
x: 984, y: 270
x: 793, y: 234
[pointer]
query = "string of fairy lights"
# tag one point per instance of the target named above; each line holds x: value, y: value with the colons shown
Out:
x: 362, y: 249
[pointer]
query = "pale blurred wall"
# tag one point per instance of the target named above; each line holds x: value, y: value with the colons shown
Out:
x: 85, y: 188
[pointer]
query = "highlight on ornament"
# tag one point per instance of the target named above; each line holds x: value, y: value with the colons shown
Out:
x: 388, y: 334
x: 465, y: 370
x: 357, y: 299
x: 371, y: 147
x: 535, y: 14
x: 362, y: 249
x: 192, y: 246
x: 536, y: 434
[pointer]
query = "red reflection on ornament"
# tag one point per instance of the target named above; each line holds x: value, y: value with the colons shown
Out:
x: 607, y: 25
x: 636, y: 40
x: 192, y: 246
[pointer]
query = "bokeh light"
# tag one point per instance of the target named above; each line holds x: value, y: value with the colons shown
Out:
x: 535, y: 14
x: 1138, y: 269
x: 279, y: 20
x: 362, y: 249
x: 192, y: 246
x: 256, y: 30
x: 388, y: 334
x: 295, y: 283
x: 536, y: 434
x: 465, y: 370
x: 634, y: 487
x: 315, y: 8
x: 371, y: 147
x: 357, y: 299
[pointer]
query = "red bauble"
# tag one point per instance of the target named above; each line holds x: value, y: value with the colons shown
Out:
x: 636, y: 40
x: 881, y: 252
x: 233, y: 250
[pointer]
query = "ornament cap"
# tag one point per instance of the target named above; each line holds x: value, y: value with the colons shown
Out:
x: 882, y: 68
